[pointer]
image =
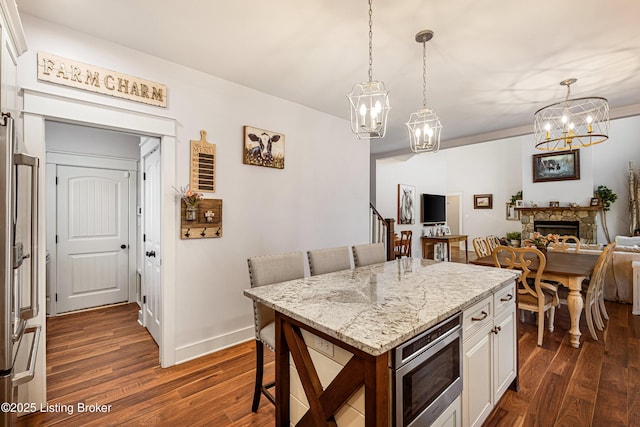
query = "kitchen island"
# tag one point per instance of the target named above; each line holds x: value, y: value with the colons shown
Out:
x: 366, y: 311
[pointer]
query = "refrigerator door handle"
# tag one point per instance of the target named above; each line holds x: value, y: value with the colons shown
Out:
x: 21, y: 159
x: 26, y: 376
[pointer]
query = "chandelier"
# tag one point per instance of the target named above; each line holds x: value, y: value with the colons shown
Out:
x: 369, y: 101
x: 572, y: 123
x: 424, y: 124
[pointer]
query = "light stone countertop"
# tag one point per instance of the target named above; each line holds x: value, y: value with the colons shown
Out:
x: 378, y: 307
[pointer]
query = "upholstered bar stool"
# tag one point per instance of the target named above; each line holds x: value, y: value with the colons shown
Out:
x: 266, y: 270
x: 328, y: 260
x: 371, y: 253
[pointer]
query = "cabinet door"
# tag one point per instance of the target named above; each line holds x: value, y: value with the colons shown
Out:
x: 504, y: 351
x: 477, y: 393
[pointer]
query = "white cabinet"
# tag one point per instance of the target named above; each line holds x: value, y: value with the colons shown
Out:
x: 489, y: 354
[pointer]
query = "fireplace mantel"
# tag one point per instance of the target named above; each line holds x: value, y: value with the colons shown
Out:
x: 585, y: 215
x: 556, y: 208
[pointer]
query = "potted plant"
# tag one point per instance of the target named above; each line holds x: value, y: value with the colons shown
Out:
x: 607, y: 197
x: 514, y: 238
x: 517, y: 196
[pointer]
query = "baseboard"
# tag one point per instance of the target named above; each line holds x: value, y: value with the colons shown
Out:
x: 204, y: 347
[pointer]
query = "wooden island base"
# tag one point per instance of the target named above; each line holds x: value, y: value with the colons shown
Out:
x: 363, y: 369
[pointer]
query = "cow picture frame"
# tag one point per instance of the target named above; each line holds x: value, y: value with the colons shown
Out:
x: 556, y: 166
x: 263, y: 148
x: 406, y: 204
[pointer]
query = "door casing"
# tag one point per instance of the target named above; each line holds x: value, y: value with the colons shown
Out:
x: 40, y: 106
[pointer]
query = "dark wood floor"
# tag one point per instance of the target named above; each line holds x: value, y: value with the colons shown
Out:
x: 105, y: 357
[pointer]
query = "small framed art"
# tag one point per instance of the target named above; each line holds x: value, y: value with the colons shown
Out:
x: 483, y: 201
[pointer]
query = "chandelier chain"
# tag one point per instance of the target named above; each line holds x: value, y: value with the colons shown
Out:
x: 424, y: 74
x: 370, y: 42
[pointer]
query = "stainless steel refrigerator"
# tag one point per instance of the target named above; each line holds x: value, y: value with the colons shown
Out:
x: 18, y: 270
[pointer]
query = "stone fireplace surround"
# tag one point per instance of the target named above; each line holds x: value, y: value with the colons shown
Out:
x: 585, y: 215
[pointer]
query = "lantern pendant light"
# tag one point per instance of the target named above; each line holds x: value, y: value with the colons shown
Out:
x: 572, y: 123
x: 369, y: 101
x: 424, y: 125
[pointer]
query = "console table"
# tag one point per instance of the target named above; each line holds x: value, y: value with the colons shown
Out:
x: 448, y: 239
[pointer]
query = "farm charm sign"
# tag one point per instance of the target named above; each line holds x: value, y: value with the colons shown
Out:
x: 76, y: 74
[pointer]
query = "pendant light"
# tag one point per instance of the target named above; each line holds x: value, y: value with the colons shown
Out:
x: 572, y: 123
x: 369, y: 101
x: 424, y: 124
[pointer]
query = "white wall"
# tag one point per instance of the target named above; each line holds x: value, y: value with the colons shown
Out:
x: 427, y: 177
x: 502, y: 168
x: 610, y: 167
x: 320, y: 199
x: 68, y: 138
x: 486, y: 168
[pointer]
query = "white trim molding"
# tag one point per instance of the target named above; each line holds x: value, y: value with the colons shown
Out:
x: 40, y: 106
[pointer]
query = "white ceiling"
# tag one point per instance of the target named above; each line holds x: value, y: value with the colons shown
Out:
x: 490, y: 65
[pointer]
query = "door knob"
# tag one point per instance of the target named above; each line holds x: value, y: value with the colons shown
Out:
x: 123, y: 246
x: 151, y: 254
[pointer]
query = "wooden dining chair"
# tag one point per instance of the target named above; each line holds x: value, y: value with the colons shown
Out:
x: 492, y: 242
x: 266, y: 270
x: 603, y: 310
x: 480, y: 247
x: 532, y: 294
x: 566, y: 244
x: 371, y: 253
x: 403, y: 247
x: 328, y: 260
x: 591, y: 289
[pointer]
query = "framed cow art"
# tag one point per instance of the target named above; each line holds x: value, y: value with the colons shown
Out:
x: 263, y: 148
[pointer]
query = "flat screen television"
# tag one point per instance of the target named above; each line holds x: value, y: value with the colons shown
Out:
x: 434, y: 209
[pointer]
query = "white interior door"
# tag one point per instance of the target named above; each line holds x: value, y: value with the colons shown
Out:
x: 151, y: 280
x: 93, y: 237
x: 453, y: 215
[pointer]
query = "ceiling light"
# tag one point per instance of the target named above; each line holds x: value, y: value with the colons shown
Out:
x: 572, y: 123
x: 369, y: 101
x: 424, y: 125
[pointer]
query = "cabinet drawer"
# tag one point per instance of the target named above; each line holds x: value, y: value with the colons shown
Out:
x: 477, y: 316
x: 505, y: 298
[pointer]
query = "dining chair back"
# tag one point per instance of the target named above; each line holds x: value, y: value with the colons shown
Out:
x: 532, y: 293
x: 403, y: 246
x: 594, y: 292
x: 371, y: 253
x: 266, y: 270
x: 492, y: 242
x: 566, y: 244
x: 328, y: 260
x: 480, y: 247
x: 590, y: 289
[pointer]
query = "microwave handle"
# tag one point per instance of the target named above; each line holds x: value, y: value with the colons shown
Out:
x: 21, y: 159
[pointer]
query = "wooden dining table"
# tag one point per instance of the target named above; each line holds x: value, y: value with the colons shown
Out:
x: 569, y: 269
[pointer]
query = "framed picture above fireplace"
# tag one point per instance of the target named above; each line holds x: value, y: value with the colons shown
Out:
x: 556, y: 166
